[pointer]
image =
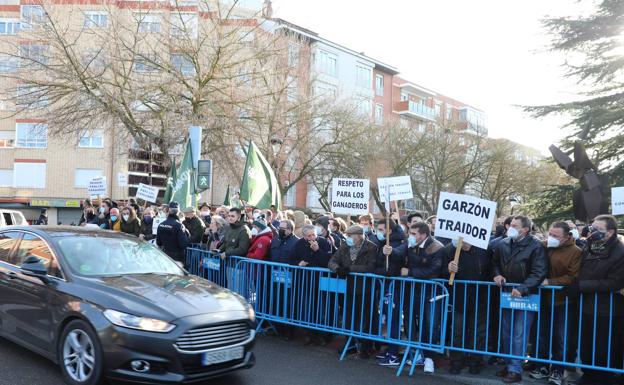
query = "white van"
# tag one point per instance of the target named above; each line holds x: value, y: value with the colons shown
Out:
x: 12, y: 218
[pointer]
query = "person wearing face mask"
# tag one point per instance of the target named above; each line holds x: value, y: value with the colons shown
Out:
x: 237, y: 236
x: 337, y: 227
x: 424, y: 262
x: 520, y: 259
x: 576, y: 235
x: 322, y: 230
x: 367, y: 222
x: 204, y: 214
x: 146, y: 225
x: 130, y: 224
x: 103, y: 215
x: 114, y: 223
x: 473, y: 265
x: 261, y: 237
x: 283, y: 247
x: 600, y: 275
x: 564, y: 263
x: 172, y: 236
x: 193, y: 224
x: 358, y: 255
x: 88, y: 215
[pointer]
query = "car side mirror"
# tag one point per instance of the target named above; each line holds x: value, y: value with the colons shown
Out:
x: 33, y: 267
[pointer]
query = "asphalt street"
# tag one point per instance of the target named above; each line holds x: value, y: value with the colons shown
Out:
x: 278, y: 362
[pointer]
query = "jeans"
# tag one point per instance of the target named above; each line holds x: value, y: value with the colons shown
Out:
x: 514, y: 336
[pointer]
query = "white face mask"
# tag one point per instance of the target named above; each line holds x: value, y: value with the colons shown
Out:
x: 126, y: 217
x: 575, y: 233
x: 254, y: 231
x: 512, y: 233
x: 552, y: 243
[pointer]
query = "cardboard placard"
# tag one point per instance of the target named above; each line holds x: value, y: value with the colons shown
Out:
x: 350, y: 196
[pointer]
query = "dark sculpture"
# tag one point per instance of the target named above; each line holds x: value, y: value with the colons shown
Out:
x: 588, y: 201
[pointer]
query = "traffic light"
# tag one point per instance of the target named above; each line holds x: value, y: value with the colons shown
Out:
x: 204, y: 175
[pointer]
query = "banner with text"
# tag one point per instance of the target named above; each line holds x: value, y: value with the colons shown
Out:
x: 465, y: 216
x: 617, y: 200
x: 399, y: 187
x: 350, y: 196
x: 97, y: 186
x: 147, y: 193
x: 122, y: 179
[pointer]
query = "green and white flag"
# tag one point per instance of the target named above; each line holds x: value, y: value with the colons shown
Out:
x: 226, y: 201
x: 171, y: 180
x: 184, y: 186
x: 260, y: 187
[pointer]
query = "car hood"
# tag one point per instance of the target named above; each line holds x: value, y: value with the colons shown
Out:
x: 165, y: 297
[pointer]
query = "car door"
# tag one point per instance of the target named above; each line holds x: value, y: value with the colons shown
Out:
x: 8, y: 244
x: 28, y: 305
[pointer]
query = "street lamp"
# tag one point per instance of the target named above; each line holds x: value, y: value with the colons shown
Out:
x: 276, y: 144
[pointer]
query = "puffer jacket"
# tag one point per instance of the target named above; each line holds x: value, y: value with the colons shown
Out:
x: 236, y: 240
x: 424, y: 261
x: 260, y: 245
x: 521, y: 262
x: 602, y: 274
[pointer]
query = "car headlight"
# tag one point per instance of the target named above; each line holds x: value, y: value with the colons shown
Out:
x: 140, y: 323
x: 251, y: 313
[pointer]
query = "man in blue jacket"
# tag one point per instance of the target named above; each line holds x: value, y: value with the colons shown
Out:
x: 283, y: 247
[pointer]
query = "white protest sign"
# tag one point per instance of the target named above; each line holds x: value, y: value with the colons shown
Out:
x: 617, y: 200
x: 97, y: 186
x: 465, y: 216
x: 147, y: 193
x: 122, y: 179
x: 350, y: 196
x: 400, y: 188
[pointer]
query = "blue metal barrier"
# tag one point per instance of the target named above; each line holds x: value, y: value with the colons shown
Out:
x: 469, y: 317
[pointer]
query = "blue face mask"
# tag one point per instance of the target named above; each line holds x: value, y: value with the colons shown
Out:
x: 350, y: 242
x: 411, y: 241
x: 366, y: 229
x: 114, y: 218
x: 381, y: 236
x: 318, y: 230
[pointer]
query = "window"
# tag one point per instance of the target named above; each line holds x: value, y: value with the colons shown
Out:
x: 31, y: 175
x: 291, y: 88
x: 9, y: 26
x: 363, y: 76
x: 462, y: 141
x: 379, y: 85
x: 95, y: 19
x: 91, y: 139
x: 34, y: 54
x: 325, y: 90
x: 246, y: 36
x: 8, y: 63
x: 449, y: 112
x: 146, y: 63
x: 83, y: 176
x: 421, y: 127
x: 93, y: 58
x: 379, y: 113
x: 148, y: 23
x: 7, y: 143
x: 31, y: 15
x: 290, y: 198
x: 327, y: 63
x: 184, y: 24
x: 31, y: 135
x: 183, y: 63
x: 293, y: 55
x: 364, y: 108
x: 438, y: 107
x: 6, y: 177
x: 32, y: 245
x: 32, y: 97
x: 404, y: 96
x: 8, y: 241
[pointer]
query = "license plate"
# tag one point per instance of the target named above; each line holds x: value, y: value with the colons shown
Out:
x: 223, y: 355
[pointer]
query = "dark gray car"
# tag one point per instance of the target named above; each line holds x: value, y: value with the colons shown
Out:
x: 104, y: 304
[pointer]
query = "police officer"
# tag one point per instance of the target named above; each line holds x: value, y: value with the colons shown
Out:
x: 171, y: 234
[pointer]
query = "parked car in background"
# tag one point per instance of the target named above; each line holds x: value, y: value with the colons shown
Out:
x: 106, y: 304
x: 12, y: 218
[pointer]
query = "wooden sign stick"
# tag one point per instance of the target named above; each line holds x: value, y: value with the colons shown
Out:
x: 460, y: 242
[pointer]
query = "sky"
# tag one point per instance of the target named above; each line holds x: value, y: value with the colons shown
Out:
x: 490, y: 54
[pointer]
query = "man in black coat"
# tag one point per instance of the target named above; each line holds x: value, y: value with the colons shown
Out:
x: 473, y: 265
x: 520, y: 259
x: 43, y: 218
x: 600, y: 278
x: 172, y: 236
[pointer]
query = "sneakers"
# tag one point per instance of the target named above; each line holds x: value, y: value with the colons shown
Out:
x: 389, y: 360
x: 555, y: 378
x: 418, y: 357
x: 429, y: 367
x: 540, y: 373
x: 381, y: 355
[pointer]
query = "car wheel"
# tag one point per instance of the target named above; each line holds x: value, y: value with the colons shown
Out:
x: 80, y: 354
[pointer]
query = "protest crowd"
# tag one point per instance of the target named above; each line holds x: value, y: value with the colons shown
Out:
x: 583, y: 259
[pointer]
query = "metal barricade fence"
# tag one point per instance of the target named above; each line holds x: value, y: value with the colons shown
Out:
x: 473, y: 317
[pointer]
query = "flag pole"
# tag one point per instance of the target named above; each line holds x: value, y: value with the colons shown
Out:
x: 460, y: 242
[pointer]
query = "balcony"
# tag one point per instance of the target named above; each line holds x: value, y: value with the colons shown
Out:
x: 416, y: 110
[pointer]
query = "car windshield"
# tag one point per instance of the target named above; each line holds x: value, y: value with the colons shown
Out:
x: 110, y: 256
